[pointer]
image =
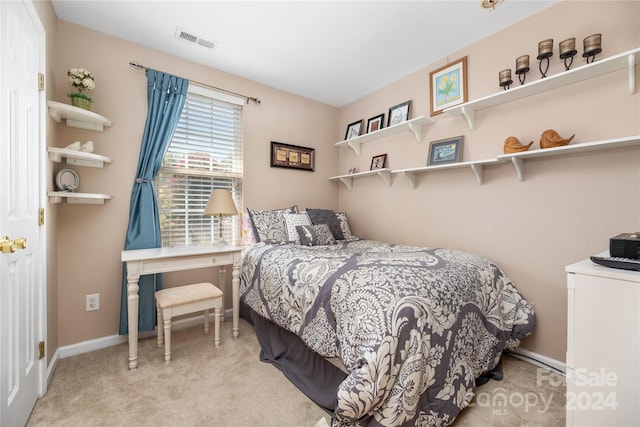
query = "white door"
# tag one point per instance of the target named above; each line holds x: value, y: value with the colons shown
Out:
x: 22, y: 308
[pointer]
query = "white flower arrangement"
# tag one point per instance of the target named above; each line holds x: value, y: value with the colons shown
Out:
x: 81, y: 79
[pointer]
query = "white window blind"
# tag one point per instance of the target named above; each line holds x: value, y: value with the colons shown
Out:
x: 205, y: 153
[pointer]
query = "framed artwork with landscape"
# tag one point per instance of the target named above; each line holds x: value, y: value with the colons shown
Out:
x: 448, y: 86
x: 292, y: 156
x: 445, y: 151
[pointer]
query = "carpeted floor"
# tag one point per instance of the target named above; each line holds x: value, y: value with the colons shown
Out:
x: 229, y: 386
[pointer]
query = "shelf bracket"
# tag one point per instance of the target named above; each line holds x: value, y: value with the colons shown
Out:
x: 411, y: 178
x: 348, y: 182
x: 470, y: 115
x: 478, y: 170
x: 632, y: 74
x: 386, y: 177
x: 517, y: 163
x: 355, y: 146
x: 417, y: 131
x: 55, y: 157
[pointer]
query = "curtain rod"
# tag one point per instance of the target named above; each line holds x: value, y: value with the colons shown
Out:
x: 138, y: 66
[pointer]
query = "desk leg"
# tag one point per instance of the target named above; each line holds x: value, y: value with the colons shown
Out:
x: 132, y: 312
x: 235, y: 286
x: 222, y: 282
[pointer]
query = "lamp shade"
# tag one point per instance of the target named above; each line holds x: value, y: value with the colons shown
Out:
x: 220, y: 204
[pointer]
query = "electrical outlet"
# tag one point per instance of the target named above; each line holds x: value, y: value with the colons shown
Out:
x: 93, y: 302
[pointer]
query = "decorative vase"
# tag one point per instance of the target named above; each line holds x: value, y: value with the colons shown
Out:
x: 81, y: 102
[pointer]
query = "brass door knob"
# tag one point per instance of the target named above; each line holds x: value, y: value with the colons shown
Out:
x: 21, y: 243
x: 9, y: 246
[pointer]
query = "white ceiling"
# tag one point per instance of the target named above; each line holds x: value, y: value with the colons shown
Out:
x: 331, y: 51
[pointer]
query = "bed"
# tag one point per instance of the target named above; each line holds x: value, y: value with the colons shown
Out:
x: 411, y: 328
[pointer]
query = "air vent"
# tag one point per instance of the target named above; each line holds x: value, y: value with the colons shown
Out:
x: 192, y: 38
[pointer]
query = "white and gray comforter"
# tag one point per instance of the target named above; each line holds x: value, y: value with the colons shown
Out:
x: 413, y: 326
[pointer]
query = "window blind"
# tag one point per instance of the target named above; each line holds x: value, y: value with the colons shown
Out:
x: 204, y: 153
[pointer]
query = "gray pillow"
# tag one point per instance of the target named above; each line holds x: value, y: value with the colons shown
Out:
x: 314, y: 235
x: 269, y: 226
x: 326, y: 216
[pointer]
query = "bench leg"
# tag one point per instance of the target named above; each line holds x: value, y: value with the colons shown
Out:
x: 167, y: 339
x: 206, y: 321
x: 216, y: 339
x: 160, y: 326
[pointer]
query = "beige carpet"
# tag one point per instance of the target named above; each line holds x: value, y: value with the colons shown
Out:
x: 229, y: 386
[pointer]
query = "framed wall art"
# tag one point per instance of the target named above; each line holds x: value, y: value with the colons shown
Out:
x: 375, y: 123
x: 448, y: 86
x: 445, y: 151
x: 377, y: 162
x: 354, y: 129
x: 399, y: 113
x: 292, y: 156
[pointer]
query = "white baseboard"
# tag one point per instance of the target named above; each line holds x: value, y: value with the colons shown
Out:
x: 539, y: 360
x: 108, y: 341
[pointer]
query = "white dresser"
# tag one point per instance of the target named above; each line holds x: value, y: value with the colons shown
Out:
x: 603, y: 346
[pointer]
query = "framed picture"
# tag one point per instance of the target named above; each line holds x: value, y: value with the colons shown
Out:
x: 292, y: 156
x: 399, y: 113
x: 448, y: 86
x: 375, y: 123
x: 445, y: 151
x: 354, y: 129
x: 377, y: 162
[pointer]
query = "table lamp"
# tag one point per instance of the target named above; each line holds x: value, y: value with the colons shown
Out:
x: 220, y: 204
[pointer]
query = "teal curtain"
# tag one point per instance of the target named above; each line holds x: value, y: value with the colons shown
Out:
x: 166, y: 95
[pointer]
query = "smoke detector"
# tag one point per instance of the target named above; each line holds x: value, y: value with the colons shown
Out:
x: 190, y: 37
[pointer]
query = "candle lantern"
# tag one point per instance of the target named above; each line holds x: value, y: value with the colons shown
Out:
x: 568, y: 51
x: 522, y: 67
x: 592, y: 47
x: 505, y: 78
x: 545, y: 51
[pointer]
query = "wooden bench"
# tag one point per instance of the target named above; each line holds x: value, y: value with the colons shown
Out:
x: 187, y: 299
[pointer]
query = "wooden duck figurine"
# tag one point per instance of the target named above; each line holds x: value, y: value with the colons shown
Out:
x: 512, y: 145
x: 550, y: 139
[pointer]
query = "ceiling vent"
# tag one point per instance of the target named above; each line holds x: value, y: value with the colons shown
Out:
x: 192, y: 38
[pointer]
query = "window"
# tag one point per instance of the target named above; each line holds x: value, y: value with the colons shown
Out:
x: 205, y: 153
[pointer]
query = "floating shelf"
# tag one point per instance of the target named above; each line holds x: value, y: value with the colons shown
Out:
x: 517, y: 159
x: 77, y: 198
x: 621, y: 61
x: 77, y: 117
x: 477, y: 167
x: 413, y: 125
x: 77, y: 158
x: 347, y: 180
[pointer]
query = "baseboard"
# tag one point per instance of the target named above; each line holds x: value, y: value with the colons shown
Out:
x: 539, y: 360
x: 108, y: 341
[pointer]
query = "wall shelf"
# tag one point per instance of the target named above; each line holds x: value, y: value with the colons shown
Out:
x: 77, y: 198
x: 347, y: 180
x: 621, y: 61
x: 477, y: 167
x: 413, y: 125
x: 77, y: 158
x: 77, y: 117
x: 517, y: 159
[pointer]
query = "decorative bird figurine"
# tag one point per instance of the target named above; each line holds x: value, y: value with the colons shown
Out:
x: 512, y: 145
x: 550, y: 139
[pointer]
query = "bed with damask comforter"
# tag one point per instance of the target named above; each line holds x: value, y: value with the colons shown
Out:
x: 414, y: 327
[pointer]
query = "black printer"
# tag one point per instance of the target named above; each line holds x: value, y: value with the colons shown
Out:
x: 625, y: 245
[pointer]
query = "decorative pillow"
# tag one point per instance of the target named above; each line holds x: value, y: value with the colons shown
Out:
x: 291, y: 222
x: 344, y: 226
x: 268, y: 226
x: 247, y: 237
x: 314, y: 235
x: 326, y: 216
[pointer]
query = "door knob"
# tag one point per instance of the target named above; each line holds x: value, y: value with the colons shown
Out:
x: 9, y: 246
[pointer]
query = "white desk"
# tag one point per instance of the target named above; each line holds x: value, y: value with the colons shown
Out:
x: 162, y: 260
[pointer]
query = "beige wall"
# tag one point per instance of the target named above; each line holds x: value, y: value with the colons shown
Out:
x: 566, y: 208
x: 90, y: 237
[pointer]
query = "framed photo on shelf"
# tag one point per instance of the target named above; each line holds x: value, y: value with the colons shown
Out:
x: 375, y: 123
x: 377, y: 162
x: 354, y: 129
x: 399, y: 113
x: 445, y: 151
x: 448, y: 86
x: 292, y: 156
